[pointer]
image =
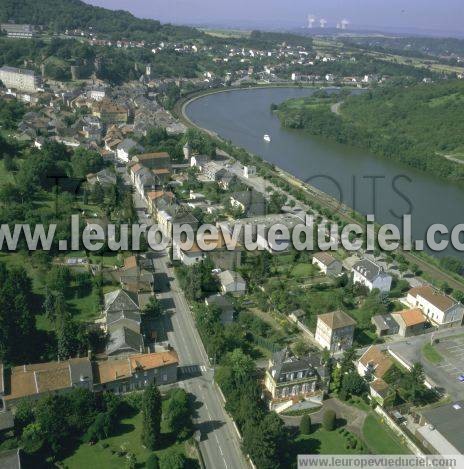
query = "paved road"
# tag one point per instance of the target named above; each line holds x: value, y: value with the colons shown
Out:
x: 410, y: 350
x: 219, y: 444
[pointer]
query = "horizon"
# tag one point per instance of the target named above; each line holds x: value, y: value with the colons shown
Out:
x: 398, y: 16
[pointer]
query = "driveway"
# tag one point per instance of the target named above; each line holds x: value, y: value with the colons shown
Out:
x: 353, y: 416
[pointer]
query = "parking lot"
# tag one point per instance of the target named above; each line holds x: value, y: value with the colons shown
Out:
x: 452, y: 351
x: 444, y: 374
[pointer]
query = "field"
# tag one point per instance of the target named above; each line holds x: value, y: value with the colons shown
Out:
x: 417, y: 62
x: 321, y: 441
x: 379, y: 439
x: 226, y: 33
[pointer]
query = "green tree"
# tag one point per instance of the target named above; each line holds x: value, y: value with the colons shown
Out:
x: 152, y: 462
x: 178, y: 414
x: 353, y: 384
x: 32, y: 438
x: 172, y: 460
x: 266, y: 441
x: 329, y: 420
x: 305, y: 425
x: 98, y: 194
x: 153, y: 308
x: 336, y: 381
x: 151, y: 414
x: 301, y: 348
x: 100, y: 428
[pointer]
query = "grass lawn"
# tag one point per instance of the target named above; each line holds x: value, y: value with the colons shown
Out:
x: 358, y: 402
x: 321, y: 441
x: 304, y: 270
x: 431, y: 354
x: 86, y: 308
x: 103, y: 454
x: 380, y: 439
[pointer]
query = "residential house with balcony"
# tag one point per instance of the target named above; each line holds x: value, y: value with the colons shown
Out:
x: 290, y: 379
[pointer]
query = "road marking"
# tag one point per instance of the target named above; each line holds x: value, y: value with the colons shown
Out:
x: 215, y: 435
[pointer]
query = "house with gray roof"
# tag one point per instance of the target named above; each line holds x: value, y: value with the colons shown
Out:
x: 232, y: 282
x: 289, y: 378
x: 440, y: 429
x: 252, y: 203
x: 130, y: 319
x: 120, y: 300
x: 123, y: 342
x: 224, y: 304
x: 125, y: 148
x: 122, y: 323
x: 371, y: 275
x: 385, y: 324
x: 105, y: 177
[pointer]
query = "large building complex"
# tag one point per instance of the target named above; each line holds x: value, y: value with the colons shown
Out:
x: 22, y: 31
x: 20, y: 79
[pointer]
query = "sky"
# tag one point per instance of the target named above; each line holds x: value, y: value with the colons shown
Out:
x: 426, y: 15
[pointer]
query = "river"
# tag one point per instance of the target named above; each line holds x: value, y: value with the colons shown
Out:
x: 347, y: 173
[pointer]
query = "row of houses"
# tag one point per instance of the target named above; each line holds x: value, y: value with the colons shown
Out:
x: 425, y: 303
x: 119, y: 376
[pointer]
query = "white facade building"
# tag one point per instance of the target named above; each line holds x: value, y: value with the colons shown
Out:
x: 20, y: 79
x: 440, y: 309
x: 371, y: 275
x: 327, y: 263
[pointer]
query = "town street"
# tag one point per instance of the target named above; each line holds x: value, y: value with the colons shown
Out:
x: 219, y: 445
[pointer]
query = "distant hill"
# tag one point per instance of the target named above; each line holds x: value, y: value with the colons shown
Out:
x: 59, y: 15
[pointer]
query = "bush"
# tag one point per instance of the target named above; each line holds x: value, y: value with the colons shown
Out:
x: 172, y: 460
x: 305, y: 425
x: 328, y: 420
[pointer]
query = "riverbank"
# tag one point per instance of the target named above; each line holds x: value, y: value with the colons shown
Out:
x: 428, y: 265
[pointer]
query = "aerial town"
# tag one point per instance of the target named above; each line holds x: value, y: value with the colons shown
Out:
x: 212, y: 356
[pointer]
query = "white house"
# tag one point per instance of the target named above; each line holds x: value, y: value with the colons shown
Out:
x: 371, y: 275
x: 249, y: 171
x: 327, y: 263
x: 440, y: 309
x: 198, y: 161
x: 232, y: 282
x: 97, y: 93
x: 124, y: 148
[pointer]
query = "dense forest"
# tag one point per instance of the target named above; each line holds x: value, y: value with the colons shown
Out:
x: 413, y: 46
x: 417, y: 124
x: 59, y: 15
